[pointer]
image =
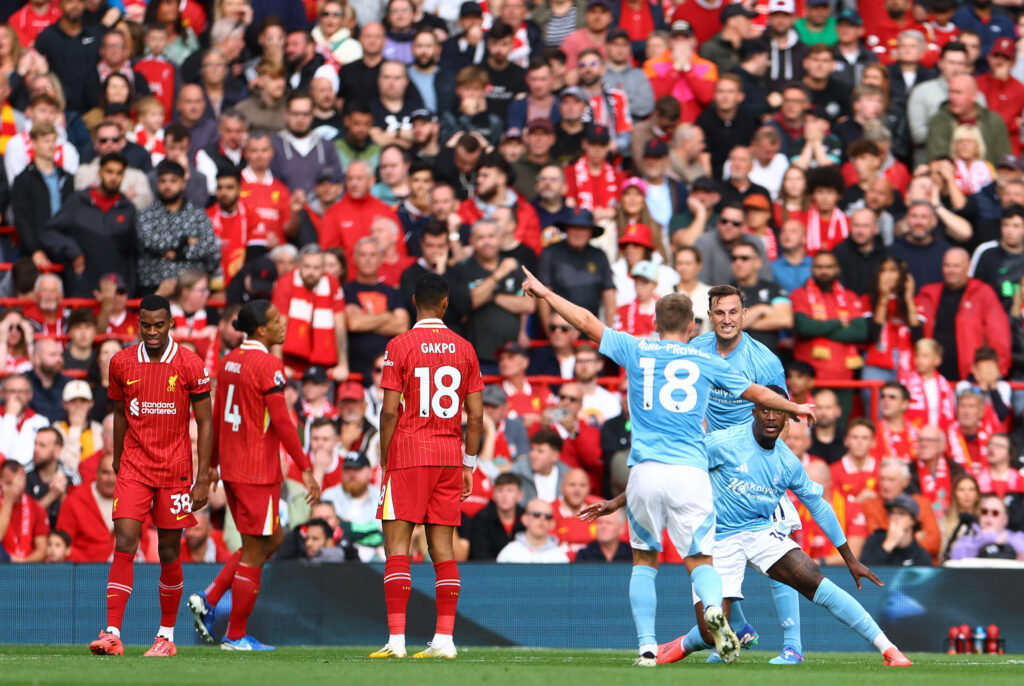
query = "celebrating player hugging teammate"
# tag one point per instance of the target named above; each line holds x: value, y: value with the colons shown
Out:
x: 669, y: 385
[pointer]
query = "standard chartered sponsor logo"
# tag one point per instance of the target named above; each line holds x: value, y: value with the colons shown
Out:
x: 159, y: 408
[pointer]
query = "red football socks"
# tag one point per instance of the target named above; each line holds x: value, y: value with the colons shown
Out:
x: 219, y: 586
x: 397, y: 587
x: 119, y: 587
x: 446, y: 595
x: 172, y: 580
x: 244, y: 589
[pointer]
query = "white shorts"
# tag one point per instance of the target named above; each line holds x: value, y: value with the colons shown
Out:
x: 757, y: 549
x: 785, y: 518
x: 675, y: 497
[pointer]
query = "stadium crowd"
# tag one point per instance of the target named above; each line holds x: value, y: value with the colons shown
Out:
x: 853, y: 168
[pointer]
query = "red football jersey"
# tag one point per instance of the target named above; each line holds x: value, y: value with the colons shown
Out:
x: 850, y: 481
x: 270, y: 202
x: 157, y: 396
x: 434, y: 369
x: 247, y: 446
x: 159, y: 75
x: 232, y: 230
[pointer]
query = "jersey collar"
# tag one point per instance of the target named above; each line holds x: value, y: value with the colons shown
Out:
x: 429, y: 323
x: 169, y: 352
x: 253, y: 344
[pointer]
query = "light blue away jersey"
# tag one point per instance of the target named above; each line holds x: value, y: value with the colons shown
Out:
x: 669, y: 384
x: 748, y: 482
x: 752, y: 359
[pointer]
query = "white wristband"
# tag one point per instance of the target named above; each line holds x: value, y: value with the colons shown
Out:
x: 469, y: 461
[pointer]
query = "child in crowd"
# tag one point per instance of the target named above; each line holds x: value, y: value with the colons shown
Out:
x: 932, y: 400
x: 149, y: 132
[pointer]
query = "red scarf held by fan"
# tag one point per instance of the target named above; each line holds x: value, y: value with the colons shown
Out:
x: 310, y: 333
x: 844, y: 299
x: 837, y: 230
x: 899, y: 444
x: 918, y: 412
x: 594, y: 192
x: 1014, y: 482
x: 894, y: 337
x: 961, y: 452
x: 938, y: 487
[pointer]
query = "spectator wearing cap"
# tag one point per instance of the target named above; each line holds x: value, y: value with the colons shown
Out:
x: 38, y: 193
x: 499, y: 308
x: 988, y: 22
x: 578, y: 271
x: 723, y: 47
x: 592, y: 183
x: 357, y: 432
x: 725, y: 124
x: 300, y: 154
x: 492, y: 191
x: 757, y: 211
x: 539, y: 138
x: 769, y: 311
x: 962, y: 314
x: 594, y: 34
x: 621, y: 75
x: 681, y: 73
x: 254, y: 281
x: 173, y: 234
x: 818, y: 25
x: 962, y: 107
x: 1000, y: 263
x: 606, y: 107
x: 637, y: 316
x: 506, y: 80
x: 752, y: 69
x: 570, y: 127
x: 314, y: 397
x: 266, y: 196
x: 826, y: 92
x: 787, y: 50
x: 850, y: 53
x: 510, y: 441
x: 375, y: 312
x: 108, y: 139
x: 81, y: 436
x: 526, y: 400
x: 355, y: 498
x: 896, y: 546
x: 716, y: 245
x: 1003, y: 92
x: 636, y: 245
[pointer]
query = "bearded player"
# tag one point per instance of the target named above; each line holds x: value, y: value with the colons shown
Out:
x: 430, y: 373
x: 153, y: 384
x: 251, y: 421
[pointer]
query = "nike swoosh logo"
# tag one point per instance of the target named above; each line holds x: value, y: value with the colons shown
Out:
x: 181, y: 517
x: 131, y: 382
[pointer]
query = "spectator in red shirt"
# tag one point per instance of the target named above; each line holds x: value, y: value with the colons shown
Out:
x: 350, y: 218
x: 934, y: 473
x: 202, y: 543
x: 581, y: 441
x: 1003, y: 93
x: 567, y: 527
x: 850, y: 514
x: 267, y: 197
x: 896, y: 436
x: 493, y: 191
x: 525, y: 400
x: 386, y: 231
x: 856, y: 475
x: 23, y: 522
x: 35, y: 16
x: 997, y: 475
x: 86, y: 516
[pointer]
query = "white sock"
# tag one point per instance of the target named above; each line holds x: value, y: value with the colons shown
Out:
x: 167, y: 632
x: 882, y: 642
x: 442, y: 641
x: 114, y: 630
x: 397, y: 642
x: 651, y: 648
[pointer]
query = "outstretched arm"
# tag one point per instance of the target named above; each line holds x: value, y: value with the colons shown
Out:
x: 760, y: 395
x: 600, y: 509
x: 578, y: 317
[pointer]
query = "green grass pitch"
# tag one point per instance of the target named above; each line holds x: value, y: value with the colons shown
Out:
x: 479, y: 666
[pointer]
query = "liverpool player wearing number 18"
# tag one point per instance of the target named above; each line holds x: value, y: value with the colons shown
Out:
x: 430, y: 373
x: 152, y: 385
x: 251, y: 421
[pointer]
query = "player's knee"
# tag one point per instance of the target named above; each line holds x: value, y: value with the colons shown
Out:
x: 273, y: 542
x: 126, y: 543
x: 168, y: 553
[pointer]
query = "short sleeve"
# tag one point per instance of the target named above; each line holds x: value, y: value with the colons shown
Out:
x: 725, y: 377
x: 799, y: 299
x: 272, y: 378
x: 617, y: 346
x: 391, y: 377
x: 337, y: 296
x: 198, y: 377
x: 116, y: 389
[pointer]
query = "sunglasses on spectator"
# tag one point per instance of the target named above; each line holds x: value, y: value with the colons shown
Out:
x: 564, y: 328
x: 325, y: 13
x: 570, y: 398
x: 731, y: 222
x: 116, y: 139
x: 545, y: 515
x: 742, y: 258
x: 993, y: 513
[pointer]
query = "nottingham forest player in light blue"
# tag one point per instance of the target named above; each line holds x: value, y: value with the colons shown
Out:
x: 668, y: 486
x: 754, y: 360
x: 750, y: 470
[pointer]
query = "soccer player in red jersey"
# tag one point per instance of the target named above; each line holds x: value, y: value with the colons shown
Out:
x: 251, y: 420
x: 153, y: 384
x: 430, y: 373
